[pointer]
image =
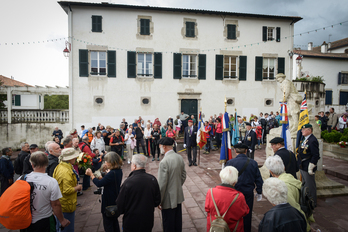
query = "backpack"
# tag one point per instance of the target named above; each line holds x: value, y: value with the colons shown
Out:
x: 176, y: 122
x: 219, y: 224
x: 16, y: 204
x: 306, y: 201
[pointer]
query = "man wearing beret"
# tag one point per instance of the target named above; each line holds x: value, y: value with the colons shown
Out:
x: 190, y: 142
x: 288, y: 157
x: 308, y: 156
x: 248, y: 176
x: 250, y: 140
x: 171, y: 177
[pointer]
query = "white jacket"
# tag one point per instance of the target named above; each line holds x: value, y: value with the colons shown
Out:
x: 147, y: 133
x: 341, y: 124
x: 98, y: 144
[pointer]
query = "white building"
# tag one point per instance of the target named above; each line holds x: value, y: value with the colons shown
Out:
x: 127, y: 61
x: 330, y: 61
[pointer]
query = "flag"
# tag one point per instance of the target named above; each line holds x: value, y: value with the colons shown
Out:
x: 235, y: 131
x: 225, y: 153
x: 285, y: 126
x: 303, y: 120
x: 201, y: 139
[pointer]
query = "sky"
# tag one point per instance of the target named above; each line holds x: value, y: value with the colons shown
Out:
x: 40, y: 61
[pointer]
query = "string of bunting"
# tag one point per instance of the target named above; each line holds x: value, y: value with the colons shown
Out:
x: 212, y: 49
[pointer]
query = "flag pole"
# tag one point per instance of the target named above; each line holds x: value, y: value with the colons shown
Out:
x: 223, y: 164
x: 199, y: 154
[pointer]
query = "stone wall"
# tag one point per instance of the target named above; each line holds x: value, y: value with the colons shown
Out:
x: 12, y: 135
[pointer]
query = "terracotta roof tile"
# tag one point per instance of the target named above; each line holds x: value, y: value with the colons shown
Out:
x: 335, y: 44
x: 9, y: 82
x: 318, y: 54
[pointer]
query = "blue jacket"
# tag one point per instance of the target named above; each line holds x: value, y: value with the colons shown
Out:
x: 6, y: 167
x: 249, y: 178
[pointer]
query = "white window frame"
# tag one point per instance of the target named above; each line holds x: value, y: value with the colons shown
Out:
x: 230, y: 66
x: 268, y: 72
x: 98, y: 63
x: 270, y: 33
x: 143, y: 74
x: 189, y: 70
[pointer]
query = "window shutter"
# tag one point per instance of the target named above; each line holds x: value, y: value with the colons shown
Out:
x: 258, y: 68
x: 219, y: 67
x: 131, y: 63
x: 96, y: 23
x: 339, y: 78
x: 145, y: 26
x: 202, y: 60
x: 231, y: 31
x: 157, y: 65
x: 343, y: 98
x: 328, y: 97
x: 264, y: 33
x: 281, y: 65
x: 242, y: 68
x: 17, y: 100
x: 278, y: 34
x: 177, y: 65
x: 83, y: 62
x: 111, y: 63
x: 190, y: 29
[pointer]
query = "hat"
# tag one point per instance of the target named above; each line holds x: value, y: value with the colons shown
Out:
x: 33, y: 146
x: 69, y: 154
x: 241, y: 145
x: 307, y: 126
x: 132, y: 136
x: 276, y: 140
x: 247, y: 124
x: 166, y: 141
x: 190, y: 121
x: 72, y: 132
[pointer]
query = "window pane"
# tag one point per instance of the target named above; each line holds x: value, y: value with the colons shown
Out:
x: 94, y: 70
x: 271, y: 63
x: 94, y: 55
x: 102, y: 70
x: 226, y: 74
x: 265, y: 63
x: 94, y: 63
x: 233, y: 59
x: 102, y: 55
x: 185, y: 58
x: 140, y: 57
x: 102, y: 63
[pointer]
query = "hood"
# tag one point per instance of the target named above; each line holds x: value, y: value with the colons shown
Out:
x: 289, y: 179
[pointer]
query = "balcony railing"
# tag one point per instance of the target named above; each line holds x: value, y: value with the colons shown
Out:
x: 34, y: 116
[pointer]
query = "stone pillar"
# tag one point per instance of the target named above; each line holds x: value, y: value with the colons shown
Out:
x: 9, y: 105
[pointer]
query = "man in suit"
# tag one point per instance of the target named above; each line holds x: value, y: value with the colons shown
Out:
x: 190, y: 142
x: 250, y: 140
x: 288, y: 157
x: 308, y: 156
x: 171, y: 177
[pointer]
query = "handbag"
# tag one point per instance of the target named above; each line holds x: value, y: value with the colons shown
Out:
x: 111, y: 210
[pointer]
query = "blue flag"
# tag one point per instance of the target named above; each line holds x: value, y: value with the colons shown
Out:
x: 235, y: 135
x: 225, y: 153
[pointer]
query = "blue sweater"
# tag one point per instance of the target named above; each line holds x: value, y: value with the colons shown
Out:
x: 6, y: 167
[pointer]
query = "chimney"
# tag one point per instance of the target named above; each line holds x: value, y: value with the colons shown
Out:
x: 329, y: 47
x: 310, y: 46
x: 12, y: 78
x: 324, y: 47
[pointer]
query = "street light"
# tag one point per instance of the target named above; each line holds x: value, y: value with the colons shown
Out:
x: 67, y: 50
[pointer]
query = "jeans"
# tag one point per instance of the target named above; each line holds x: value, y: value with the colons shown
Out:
x: 71, y: 218
x: 207, y: 145
x: 218, y: 139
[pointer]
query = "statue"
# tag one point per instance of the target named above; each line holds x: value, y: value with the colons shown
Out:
x: 293, y: 99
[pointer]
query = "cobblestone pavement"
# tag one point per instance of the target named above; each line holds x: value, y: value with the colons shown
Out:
x: 330, y: 214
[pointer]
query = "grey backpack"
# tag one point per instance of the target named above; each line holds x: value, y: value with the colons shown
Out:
x: 219, y: 224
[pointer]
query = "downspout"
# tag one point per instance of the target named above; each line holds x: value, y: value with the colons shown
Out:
x: 291, y: 32
x: 70, y: 34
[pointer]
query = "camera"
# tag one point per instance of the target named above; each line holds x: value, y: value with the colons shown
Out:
x: 99, y: 191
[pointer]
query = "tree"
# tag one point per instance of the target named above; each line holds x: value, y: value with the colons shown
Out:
x: 56, y: 102
x: 3, y: 97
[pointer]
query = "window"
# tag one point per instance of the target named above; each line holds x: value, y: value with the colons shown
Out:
x: 144, y: 65
x: 231, y: 31
x: 270, y: 33
x: 96, y: 23
x: 190, y: 29
x: 328, y: 97
x: 189, y: 66
x: 16, y: 100
x: 268, y: 68
x: 98, y: 63
x: 342, y: 78
x: 144, y: 26
x: 230, y: 67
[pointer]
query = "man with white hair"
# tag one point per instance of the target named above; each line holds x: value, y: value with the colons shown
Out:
x: 139, y: 195
x: 54, y: 153
x: 228, y: 200
x: 57, y: 133
x: 18, y: 164
x: 282, y: 217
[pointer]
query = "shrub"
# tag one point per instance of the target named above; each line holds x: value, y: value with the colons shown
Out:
x: 332, y: 137
x: 344, y: 138
x: 345, y: 131
x: 324, y: 133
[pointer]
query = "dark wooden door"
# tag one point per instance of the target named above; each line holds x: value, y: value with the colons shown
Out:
x: 190, y: 107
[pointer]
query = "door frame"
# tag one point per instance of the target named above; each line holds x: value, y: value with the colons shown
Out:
x: 189, y: 95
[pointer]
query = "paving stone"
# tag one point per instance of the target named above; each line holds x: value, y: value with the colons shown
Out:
x: 195, y: 213
x: 190, y: 202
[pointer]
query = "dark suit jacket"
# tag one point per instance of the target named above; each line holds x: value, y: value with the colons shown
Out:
x: 251, y: 144
x: 285, y: 154
x: 312, y: 153
x: 190, y: 141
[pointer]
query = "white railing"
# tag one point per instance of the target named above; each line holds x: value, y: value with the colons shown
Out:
x: 32, y: 116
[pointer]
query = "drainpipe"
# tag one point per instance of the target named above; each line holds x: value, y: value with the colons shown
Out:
x: 9, y: 105
x: 70, y: 34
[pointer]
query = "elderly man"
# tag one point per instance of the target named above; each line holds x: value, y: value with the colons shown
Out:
x: 242, y: 128
x: 85, y: 148
x: 250, y: 140
x: 57, y: 133
x: 6, y: 169
x: 139, y: 195
x: 171, y: 177
x: 54, y: 153
x: 47, y: 194
x: 190, y: 142
x: 288, y: 157
x: 67, y: 142
x: 183, y: 118
x: 18, y: 164
x: 308, y: 156
x: 332, y: 120
x: 125, y: 124
x: 249, y: 176
x: 73, y: 133
x: 228, y: 201
x: 282, y: 217
x: 27, y: 168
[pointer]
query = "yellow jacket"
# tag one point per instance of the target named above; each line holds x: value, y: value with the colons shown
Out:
x: 66, y: 178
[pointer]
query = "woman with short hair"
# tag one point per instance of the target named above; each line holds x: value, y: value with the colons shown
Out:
x: 148, y: 139
x: 98, y: 142
x: 111, y: 183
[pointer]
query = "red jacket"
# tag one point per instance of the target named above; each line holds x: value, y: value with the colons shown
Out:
x: 223, y: 196
x: 84, y: 147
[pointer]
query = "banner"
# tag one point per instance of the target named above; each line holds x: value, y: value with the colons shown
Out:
x: 235, y: 131
x: 303, y: 120
x: 285, y: 134
x: 201, y: 139
x: 225, y: 153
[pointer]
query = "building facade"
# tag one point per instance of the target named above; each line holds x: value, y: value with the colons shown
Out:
x: 127, y: 61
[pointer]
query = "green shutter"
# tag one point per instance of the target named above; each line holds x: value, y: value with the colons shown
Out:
x: 111, y: 63
x: 131, y: 63
x: 340, y: 78
x: 83, y: 62
x: 231, y: 31
x: 278, y: 34
x: 157, y: 65
x: 145, y: 26
x: 281, y: 65
x: 177, y: 66
x: 264, y: 33
x: 17, y: 100
x: 219, y: 67
x: 190, y: 29
x: 242, y: 68
x: 202, y: 60
x: 96, y: 23
x: 258, y: 68
x: 328, y: 97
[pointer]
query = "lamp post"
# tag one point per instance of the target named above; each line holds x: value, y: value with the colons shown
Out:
x: 67, y: 49
x: 299, y: 68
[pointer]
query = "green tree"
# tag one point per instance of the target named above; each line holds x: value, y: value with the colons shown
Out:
x: 56, y: 102
x: 3, y: 97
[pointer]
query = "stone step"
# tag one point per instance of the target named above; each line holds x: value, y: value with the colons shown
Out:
x: 329, y: 184
x: 334, y: 192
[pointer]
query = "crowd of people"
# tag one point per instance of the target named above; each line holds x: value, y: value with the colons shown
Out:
x: 141, y: 192
x: 331, y: 120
